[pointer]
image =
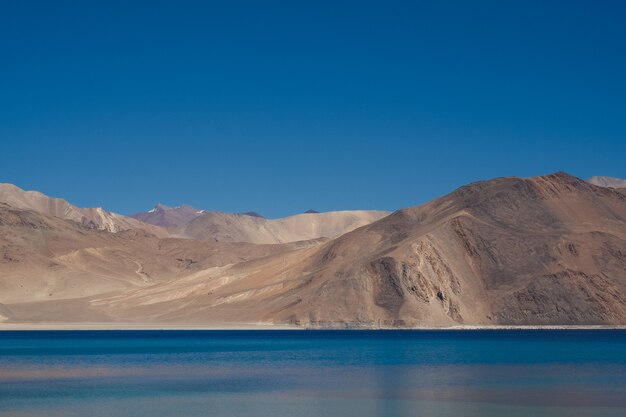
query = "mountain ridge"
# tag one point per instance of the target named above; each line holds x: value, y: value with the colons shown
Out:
x: 219, y: 226
x: 96, y: 218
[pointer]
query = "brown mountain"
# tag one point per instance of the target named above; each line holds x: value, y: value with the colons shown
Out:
x: 51, y: 268
x: 191, y: 223
x: 95, y: 218
x: 165, y: 216
x: 545, y: 250
x: 227, y: 227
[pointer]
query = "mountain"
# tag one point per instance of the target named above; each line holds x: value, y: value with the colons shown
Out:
x: 608, y: 182
x: 95, y: 218
x: 542, y: 251
x: 191, y: 223
x: 165, y: 216
x: 548, y: 250
x: 253, y: 214
x: 51, y: 263
x: 227, y: 227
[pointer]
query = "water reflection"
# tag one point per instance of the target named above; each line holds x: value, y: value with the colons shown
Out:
x: 200, y: 375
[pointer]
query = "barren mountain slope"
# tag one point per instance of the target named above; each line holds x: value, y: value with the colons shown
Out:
x: 226, y: 227
x: 95, y: 218
x: 46, y: 260
x: 546, y: 250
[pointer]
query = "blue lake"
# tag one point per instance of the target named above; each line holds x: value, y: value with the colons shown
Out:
x: 313, y: 373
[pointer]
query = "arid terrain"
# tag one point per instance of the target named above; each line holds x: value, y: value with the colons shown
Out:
x: 547, y: 250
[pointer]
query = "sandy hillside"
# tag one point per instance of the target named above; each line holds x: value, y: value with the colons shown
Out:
x: 45, y: 258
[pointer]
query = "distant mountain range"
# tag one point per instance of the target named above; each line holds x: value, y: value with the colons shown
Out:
x: 608, y: 182
x: 192, y: 223
x: 188, y: 222
x: 548, y: 250
x: 226, y: 227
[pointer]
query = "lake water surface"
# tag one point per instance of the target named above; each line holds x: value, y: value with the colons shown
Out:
x: 313, y: 373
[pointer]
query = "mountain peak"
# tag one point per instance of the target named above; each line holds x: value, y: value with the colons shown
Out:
x: 159, y: 207
x: 166, y: 216
x: 311, y: 211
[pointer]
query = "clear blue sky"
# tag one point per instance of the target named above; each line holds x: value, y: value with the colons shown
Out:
x: 279, y: 107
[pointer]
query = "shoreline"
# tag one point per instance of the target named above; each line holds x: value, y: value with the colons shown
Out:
x: 270, y: 327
